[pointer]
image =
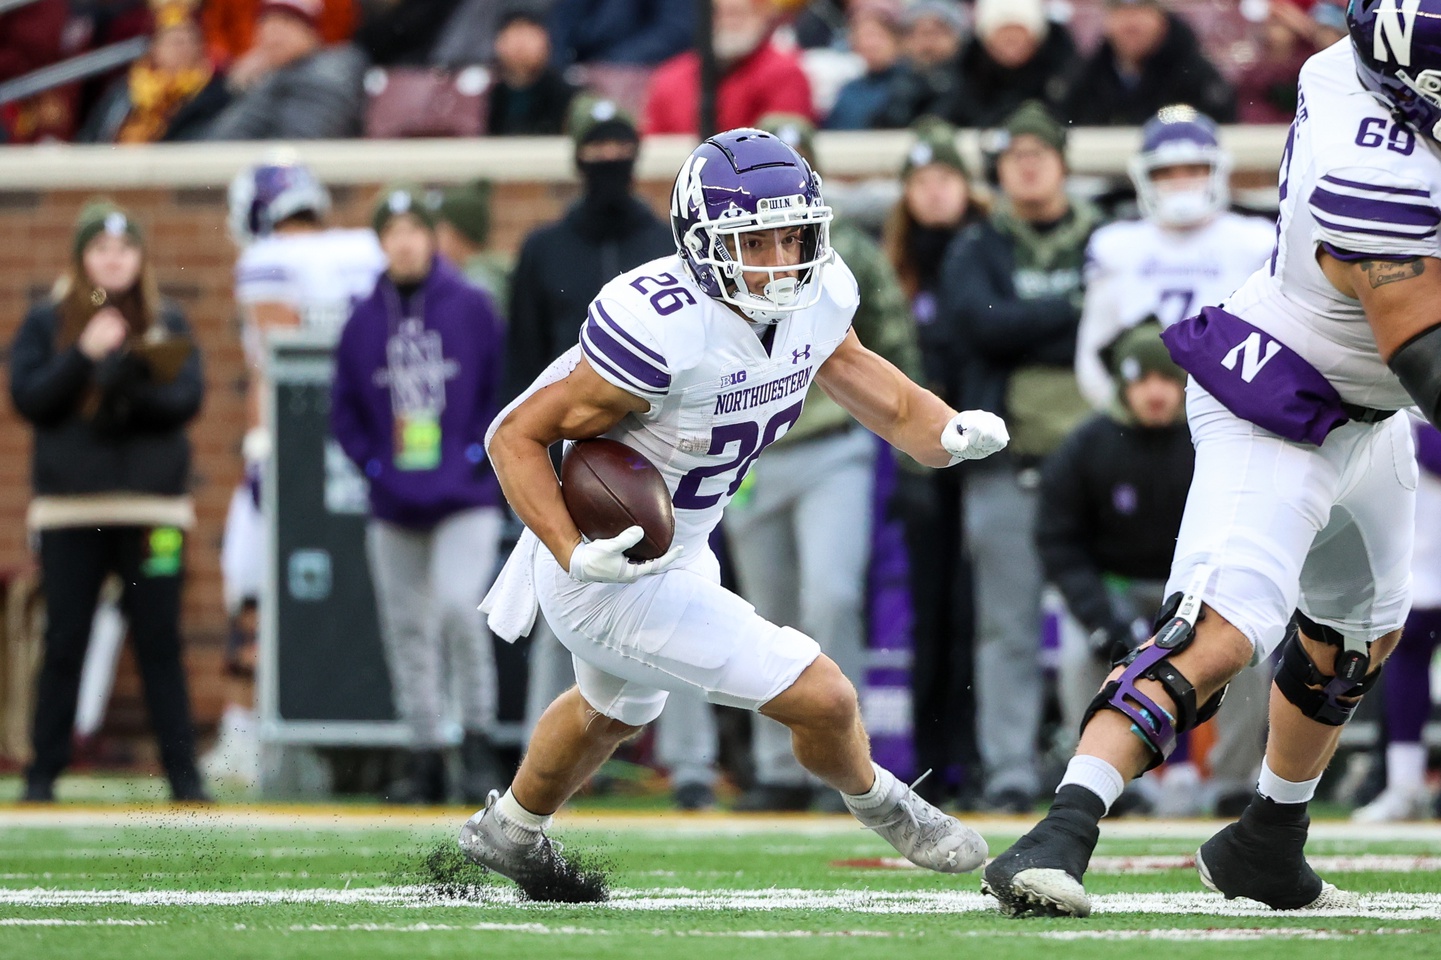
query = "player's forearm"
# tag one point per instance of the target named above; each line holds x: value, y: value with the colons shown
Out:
x: 918, y: 428
x: 522, y: 464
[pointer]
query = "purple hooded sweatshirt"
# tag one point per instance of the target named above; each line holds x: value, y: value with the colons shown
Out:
x: 416, y: 384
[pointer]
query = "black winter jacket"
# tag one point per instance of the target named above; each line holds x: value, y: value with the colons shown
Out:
x: 991, y: 92
x: 561, y: 268
x: 1177, y: 73
x: 1111, y: 501
x: 133, y: 442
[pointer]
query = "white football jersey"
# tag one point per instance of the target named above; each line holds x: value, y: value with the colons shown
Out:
x: 1137, y: 268
x: 1356, y: 182
x: 321, y: 274
x: 719, y: 393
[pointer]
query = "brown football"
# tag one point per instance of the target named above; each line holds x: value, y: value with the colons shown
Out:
x: 608, y: 487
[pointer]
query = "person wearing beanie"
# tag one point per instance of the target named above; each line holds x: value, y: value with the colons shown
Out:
x: 1148, y: 58
x: 1111, y: 500
x: 868, y: 102
x: 529, y: 97
x: 1015, y: 55
x: 107, y: 374
x: 417, y: 380
x: 292, y: 86
x: 1012, y: 290
x: 807, y: 575
x: 462, y: 233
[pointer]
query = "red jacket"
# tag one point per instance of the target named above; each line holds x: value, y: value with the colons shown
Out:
x: 767, y: 81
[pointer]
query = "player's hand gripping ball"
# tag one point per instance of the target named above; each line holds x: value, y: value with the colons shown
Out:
x: 620, y: 503
x: 974, y: 435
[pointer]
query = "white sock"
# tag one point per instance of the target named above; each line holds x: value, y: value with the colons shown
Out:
x: 876, y: 795
x: 1097, y: 776
x: 518, y: 823
x: 1284, y: 791
x: 1406, y: 767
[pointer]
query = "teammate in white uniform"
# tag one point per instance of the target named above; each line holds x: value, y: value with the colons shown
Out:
x: 1187, y: 250
x: 293, y: 271
x: 700, y: 361
x: 1298, y: 527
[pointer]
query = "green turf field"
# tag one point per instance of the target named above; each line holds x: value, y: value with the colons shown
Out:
x: 120, y: 884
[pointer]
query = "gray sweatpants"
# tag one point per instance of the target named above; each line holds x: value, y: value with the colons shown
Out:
x: 1000, y: 519
x: 800, y: 543
x: 1235, y: 759
x: 428, y: 586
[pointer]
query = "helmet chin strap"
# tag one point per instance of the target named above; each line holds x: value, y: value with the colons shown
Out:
x: 780, y: 292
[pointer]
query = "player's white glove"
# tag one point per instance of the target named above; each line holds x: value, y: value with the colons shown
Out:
x: 604, y: 561
x: 974, y: 435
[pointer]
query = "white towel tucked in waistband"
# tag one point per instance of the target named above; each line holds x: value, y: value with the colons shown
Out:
x: 511, y: 605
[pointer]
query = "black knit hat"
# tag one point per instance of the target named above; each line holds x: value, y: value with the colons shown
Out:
x: 467, y: 208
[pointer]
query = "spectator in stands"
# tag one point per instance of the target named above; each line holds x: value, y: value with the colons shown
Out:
x: 1013, y: 287
x: 108, y: 376
x: 31, y: 37
x: 1266, y: 91
x: 230, y: 31
x: 757, y: 77
x: 638, y: 32
x: 937, y: 202
x: 1016, y: 55
x: 932, y: 49
x: 798, y: 568
x: 1406, y: 691
x: 1148, y: 58
x: 170, y: 94
x: 302, y: 90
x: 529, y: 96
x: 877, y: 99
x: 404, y: 32
x: 417, y: 381
x: 1111, y: 500
x: 818, y: 24
x: 562, y: 265
x: 462, y: 232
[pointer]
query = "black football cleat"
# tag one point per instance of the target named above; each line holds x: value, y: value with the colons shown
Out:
x: 1040, y: 874
x: 1262, y: 857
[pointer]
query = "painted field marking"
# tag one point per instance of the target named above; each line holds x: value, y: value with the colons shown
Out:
x: 57, y: 922
x: 1121, y: 866
x: 1389, y: 906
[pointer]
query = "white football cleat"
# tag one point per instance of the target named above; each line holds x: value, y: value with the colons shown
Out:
x: 1394, y: 804
x: 535, y: 864
x: 921, y: 832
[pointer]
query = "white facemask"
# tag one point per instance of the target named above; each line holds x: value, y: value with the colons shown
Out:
x: 1184, y: 207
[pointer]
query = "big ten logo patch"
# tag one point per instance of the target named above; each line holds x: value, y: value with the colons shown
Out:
x: 163, y: 549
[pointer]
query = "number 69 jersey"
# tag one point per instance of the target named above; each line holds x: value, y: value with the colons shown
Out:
x: 1359, y: 184
x: 720, y: 389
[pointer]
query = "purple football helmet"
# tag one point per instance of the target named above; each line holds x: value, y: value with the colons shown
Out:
x: 1397, y: 44
x: 741, y: 181
x: 265, y: 195
x: 1175, y: 136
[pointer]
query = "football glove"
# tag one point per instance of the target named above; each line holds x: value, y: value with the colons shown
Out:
x: 604, y: 561
x: 974, y: 435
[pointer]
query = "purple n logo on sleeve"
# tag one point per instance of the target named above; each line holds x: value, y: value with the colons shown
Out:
x: 1256, y: 376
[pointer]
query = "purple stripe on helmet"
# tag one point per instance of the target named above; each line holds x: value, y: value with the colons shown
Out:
x: 1369, y: 231
x: 1366, y: 208
x: 638, y: 369
x: 262, y: 273
x: 1376, y: 187
x: 630, y: 339
x: 601, y: 365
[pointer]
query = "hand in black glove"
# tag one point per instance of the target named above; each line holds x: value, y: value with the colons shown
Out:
x: 1115, y: 643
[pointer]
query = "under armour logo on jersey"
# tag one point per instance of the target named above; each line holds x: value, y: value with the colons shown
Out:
x: 1395, y: 22
x: 1252, y: 356
x: 689, y: 193
x: 803, y: 354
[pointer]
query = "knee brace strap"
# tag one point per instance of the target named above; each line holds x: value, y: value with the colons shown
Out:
x: 1156, y: 727
x: 1297, y: 677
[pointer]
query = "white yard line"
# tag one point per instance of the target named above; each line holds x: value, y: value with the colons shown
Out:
x: 1390, y: 906
x: 1121, y: 866
x: 57, y: 922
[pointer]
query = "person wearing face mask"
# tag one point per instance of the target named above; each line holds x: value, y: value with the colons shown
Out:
x: 108, y: 377
x: 1186, y: 250
x: 757, y: 76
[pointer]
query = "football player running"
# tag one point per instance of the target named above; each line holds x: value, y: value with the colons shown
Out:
x: 1187, y: 249
x: 1298, y: 527
x: 699, y: 361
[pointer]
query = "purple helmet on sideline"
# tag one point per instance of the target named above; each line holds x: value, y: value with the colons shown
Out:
x: 263, y: 196
x: 1176, y: 136
x: 1397, y: 44
x: 741, y: 181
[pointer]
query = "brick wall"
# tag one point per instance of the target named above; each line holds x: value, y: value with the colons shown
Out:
x: 193, y: 257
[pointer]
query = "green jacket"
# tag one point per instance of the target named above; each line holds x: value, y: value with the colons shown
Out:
x: 490, y: 270
x: 883, y: 323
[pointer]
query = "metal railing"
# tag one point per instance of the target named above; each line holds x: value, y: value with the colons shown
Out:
x: 76, y: 68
